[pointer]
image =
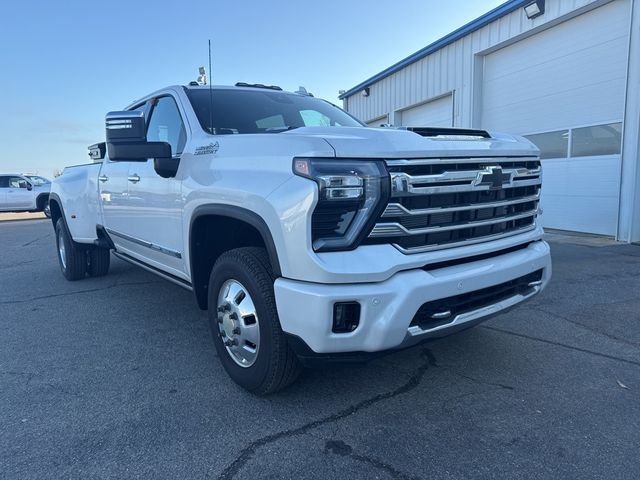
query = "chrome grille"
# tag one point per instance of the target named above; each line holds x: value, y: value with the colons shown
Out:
x: 442, y: 203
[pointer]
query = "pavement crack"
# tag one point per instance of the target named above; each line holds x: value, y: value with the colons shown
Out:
x: 63, y: 390
x: 563, y: 345
x: 66, y: 294
x: 247, y: 452
x: 36, y: 240
x: 338, y: 447
x: 13, y: 373
x: 21, y: 264
x: 586, y: 327
x: 481, y: 382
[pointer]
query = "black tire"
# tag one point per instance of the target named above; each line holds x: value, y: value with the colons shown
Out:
x: 98, y: 260
x: 276, y: 365
x: 74, y: 265
x: 42, y: 204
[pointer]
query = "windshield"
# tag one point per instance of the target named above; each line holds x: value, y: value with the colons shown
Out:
x: 37, y: 180
x: 264, y: 111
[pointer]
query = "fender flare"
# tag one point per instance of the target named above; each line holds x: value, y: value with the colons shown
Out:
x: 42, y: 195
x: 56, y: 198
x: 243, y: 215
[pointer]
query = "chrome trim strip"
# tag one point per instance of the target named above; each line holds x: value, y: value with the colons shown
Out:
x: 464, y: 243
x: 393, y: 228
x: 462, y: 175
x: 397, y: 209
x: 402, y: 185
x: 476, y: 314
x: 439, y: 161
x: 167, y: 276
x: 143, y: 243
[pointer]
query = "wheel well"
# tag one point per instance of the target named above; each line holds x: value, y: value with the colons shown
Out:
x: 56, y: 211
x: 41, y: 201
x: 211, y: 236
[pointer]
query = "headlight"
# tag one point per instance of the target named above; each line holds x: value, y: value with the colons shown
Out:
x: 351, y: 196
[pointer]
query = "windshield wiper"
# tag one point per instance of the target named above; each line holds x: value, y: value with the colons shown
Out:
x: 281, y: 129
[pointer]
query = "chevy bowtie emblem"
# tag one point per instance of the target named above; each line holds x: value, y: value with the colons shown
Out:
x: 492, y: 176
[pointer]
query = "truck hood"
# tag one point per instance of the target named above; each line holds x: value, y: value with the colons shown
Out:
x: 367, y: 142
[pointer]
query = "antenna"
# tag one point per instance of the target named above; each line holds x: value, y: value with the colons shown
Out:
x: 210, y: 93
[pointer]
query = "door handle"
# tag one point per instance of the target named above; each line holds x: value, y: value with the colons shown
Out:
x: 134, y: 178
x: 103, y: 178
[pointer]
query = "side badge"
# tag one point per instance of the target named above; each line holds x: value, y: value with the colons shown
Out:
x: 210, y: 149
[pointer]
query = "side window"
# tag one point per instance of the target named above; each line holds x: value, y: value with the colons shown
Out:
x: 313, y: 118
x: 596, y: 140
x: 166, y: 125
x: 4, y: 182
x: 551, y: 144
x: 14, y: 182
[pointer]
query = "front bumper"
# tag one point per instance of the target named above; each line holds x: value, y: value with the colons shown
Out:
x: 388, y: 307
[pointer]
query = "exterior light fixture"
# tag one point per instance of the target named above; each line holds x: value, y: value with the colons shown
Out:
x: 365, y: 92
x: 534, y: 9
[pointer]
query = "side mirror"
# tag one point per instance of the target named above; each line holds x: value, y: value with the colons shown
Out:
x: 25, y: 184
x: 127, y: 139
x: 166, y: 167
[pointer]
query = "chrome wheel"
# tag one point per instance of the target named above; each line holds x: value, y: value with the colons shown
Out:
x: 238, y: 323
x: 61, y: 250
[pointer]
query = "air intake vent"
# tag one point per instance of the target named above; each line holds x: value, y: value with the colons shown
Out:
x: 449, y: 132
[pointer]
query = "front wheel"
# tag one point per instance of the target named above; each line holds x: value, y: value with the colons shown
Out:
x: 72, y: 256
x: 244, y: 322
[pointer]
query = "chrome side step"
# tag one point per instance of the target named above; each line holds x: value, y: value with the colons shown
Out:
x: 149, y: 268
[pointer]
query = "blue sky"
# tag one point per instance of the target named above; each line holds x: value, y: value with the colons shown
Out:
x: 63, y: 65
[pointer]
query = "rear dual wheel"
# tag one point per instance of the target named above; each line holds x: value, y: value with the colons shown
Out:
x: 77, y: 260
x: 72, y: 256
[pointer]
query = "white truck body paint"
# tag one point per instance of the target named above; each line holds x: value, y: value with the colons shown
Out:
x: 254, y: 172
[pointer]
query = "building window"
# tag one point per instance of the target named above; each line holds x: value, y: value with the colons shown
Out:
x: 551, y: 144
x: 596, y: 140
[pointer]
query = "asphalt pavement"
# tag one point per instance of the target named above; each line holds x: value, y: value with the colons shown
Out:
x: 117, y: 377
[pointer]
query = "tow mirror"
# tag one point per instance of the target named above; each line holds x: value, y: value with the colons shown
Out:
x: 127, y: 138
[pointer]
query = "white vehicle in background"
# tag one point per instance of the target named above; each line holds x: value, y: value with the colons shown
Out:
x: 24, y: 193
x: 305, y: 234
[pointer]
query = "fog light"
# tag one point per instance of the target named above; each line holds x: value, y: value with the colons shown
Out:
x: 346, y: 317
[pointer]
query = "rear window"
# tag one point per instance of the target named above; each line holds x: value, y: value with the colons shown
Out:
x: 245, y: 111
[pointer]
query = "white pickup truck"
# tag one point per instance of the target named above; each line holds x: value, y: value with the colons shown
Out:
x: 305, y: 234
x: 20, y: 193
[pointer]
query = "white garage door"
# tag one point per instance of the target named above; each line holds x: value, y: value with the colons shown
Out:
x: 436, y: 113
x: 569, y: 76
x: 378, y: 121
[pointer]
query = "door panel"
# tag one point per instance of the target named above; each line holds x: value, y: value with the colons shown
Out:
x: 4, y: 186
x: 153, y: 205
x: 19, y: 198
x: 114, y: 192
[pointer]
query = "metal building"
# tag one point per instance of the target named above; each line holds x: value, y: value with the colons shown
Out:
x: 564, y: 73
